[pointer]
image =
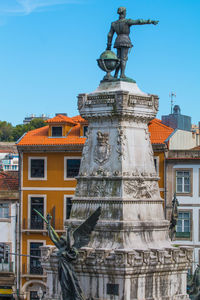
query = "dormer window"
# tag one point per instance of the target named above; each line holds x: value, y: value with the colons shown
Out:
x: 85, y: 130
x: 56, y: 130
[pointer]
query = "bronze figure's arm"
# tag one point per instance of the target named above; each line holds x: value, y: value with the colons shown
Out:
x: 53, y: 236
x: 109, y: 39
x: 142, y: 22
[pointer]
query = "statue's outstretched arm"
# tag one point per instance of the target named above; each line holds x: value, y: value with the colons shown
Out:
x: 142, y: 22
x: 110, y: 36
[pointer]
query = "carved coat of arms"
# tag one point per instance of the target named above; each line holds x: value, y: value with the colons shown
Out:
x: 102, y: 149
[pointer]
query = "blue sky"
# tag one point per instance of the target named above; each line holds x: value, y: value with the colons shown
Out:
x: 49, y: 49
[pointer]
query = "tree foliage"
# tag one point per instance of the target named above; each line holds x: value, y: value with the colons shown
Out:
x: 9, y: 133
x: 6, y: 130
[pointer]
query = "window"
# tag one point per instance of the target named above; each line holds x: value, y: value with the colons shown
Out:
x: 35, y: 253
x: 36, y: 221
x: 37, y: 168
x: 183, y: 181
x: 4, y: 210
x: 68, y: 207
x: 156, y: 163
x: 72, y: 167
x: 7, y: 256
x: 85, y: 130
x: 56, y: 130
x: 183, y: 227
x: 34, y: 295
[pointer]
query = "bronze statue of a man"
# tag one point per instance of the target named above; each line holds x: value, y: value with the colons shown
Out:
x: 123, y: 43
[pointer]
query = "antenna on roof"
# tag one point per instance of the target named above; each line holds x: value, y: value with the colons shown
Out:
x: 172, y: 95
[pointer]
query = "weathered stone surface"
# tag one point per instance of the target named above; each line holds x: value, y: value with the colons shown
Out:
x: 130, y: 255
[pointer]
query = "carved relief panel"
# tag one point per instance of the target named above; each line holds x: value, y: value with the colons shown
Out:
x: 102, y: 148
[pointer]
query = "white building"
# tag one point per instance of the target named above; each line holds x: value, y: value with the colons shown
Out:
x: 183, y: 178
x: 10, y: 162
x: 9, y: 199
x: 8, y: 156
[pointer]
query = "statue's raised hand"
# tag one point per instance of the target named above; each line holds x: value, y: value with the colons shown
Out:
x: 154, y: 22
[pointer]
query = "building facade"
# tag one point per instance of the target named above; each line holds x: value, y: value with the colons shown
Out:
x: 10, y: 162
x: 183, y: 178
x: 9, y: 207
x: 49, y: 162
x: 27, y: 120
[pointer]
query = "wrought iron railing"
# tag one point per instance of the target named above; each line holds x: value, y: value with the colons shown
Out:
x: 6, y: 267
x: 36, y: 270
x: 38, y: 225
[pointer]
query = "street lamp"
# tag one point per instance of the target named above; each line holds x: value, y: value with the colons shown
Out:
x: 40, y: 293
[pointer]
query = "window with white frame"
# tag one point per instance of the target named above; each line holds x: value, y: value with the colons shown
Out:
x: 35, y: 255
x: 183, y: 181
x: 37, y: 203
x: 183, y: 227
x: 37, y: 168
x: 72, y: 166
x: 68, y: 207
x: 4, y: 210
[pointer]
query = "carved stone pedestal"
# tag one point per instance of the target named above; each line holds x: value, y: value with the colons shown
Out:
x: 129, y: 256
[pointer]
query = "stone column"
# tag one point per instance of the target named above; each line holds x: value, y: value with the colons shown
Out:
x: 130, y: 255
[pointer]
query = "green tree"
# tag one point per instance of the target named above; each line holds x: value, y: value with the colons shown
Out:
x: 19, y: 130
x: 6, y: 131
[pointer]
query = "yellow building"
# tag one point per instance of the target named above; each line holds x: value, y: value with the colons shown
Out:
x: 49, y: 162
x: 159, y: 134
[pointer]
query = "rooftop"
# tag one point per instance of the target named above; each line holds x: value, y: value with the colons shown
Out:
x: 9, y: 181
x: 159, y: 132
x: 61, y: 119
x: 40, y: 136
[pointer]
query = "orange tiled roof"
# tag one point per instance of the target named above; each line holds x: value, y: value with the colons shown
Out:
x: 61, y: 119
x: 9, y: 181
x: 40, y: 137
x: 79, y: 119
x: 159, y: 132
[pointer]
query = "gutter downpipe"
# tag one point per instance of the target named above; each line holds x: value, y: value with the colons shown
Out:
x: 19, y: 229
x: 165, y: 180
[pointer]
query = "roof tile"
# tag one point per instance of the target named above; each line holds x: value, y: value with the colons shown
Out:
x: 9, y: 181
x: 159, y: 132
x: 61, y: 119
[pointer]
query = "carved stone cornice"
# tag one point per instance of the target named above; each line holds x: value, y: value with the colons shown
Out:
x: 161, y: 260
x: 114, y: 200
x: 120, y: 103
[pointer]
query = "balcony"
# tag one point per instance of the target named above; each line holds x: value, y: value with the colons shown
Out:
x: 39, y: 226
x: 6, y: 267
x: 32, y: 271
x: 36, y: 270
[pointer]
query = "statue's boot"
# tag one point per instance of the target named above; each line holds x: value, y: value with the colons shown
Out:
x: 123, y: 67
x: 116, y: 72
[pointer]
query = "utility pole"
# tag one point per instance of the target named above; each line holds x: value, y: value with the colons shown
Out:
x: 172, y: 95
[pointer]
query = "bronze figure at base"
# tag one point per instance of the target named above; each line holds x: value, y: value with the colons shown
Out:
x: 68, y: 252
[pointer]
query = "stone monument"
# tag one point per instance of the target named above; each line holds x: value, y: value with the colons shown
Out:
x: 130, y: 255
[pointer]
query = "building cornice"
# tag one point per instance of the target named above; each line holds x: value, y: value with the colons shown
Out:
x: 50, y: 148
